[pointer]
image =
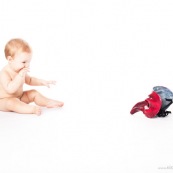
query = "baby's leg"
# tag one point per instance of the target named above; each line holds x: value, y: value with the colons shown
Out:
x: 40, y: 100
x: 15, y: 105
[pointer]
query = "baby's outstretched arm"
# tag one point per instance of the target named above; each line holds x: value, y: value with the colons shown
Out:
x: 38, y: 82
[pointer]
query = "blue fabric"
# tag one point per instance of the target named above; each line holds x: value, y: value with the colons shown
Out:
x: 164, y: 94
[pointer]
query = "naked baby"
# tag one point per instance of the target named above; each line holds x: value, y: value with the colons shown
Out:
x: 12, y: 78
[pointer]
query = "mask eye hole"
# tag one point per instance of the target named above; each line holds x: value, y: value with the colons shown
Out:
x: 146, y: 107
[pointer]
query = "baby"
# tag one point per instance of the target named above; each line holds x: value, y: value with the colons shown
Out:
x: 12, y: 77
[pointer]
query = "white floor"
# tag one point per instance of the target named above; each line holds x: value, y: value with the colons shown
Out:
x: 105, y: 56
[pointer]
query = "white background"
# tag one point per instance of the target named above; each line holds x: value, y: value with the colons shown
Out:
x: 105, y: 55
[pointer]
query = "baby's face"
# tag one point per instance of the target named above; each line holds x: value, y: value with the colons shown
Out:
x: 21, y: 60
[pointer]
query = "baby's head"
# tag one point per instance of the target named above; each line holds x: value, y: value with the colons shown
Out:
x: 15, y: 46
x: 18, y: 53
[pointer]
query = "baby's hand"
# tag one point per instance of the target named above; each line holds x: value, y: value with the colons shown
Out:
x: 47, y: 83
x: 23, y: 71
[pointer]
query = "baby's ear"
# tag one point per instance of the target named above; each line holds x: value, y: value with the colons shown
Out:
x: 9, y: 58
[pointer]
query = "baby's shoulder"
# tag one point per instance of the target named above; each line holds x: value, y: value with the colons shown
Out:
x: 4, y: 72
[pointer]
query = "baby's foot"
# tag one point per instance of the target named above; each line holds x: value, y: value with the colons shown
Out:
x: 37, y: 110
x: 54, y: 104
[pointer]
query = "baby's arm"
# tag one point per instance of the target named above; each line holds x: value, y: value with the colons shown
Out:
x: 11, y: 86
x: 38, y: 82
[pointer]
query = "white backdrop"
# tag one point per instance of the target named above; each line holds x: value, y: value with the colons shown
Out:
x: 105, y: 55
